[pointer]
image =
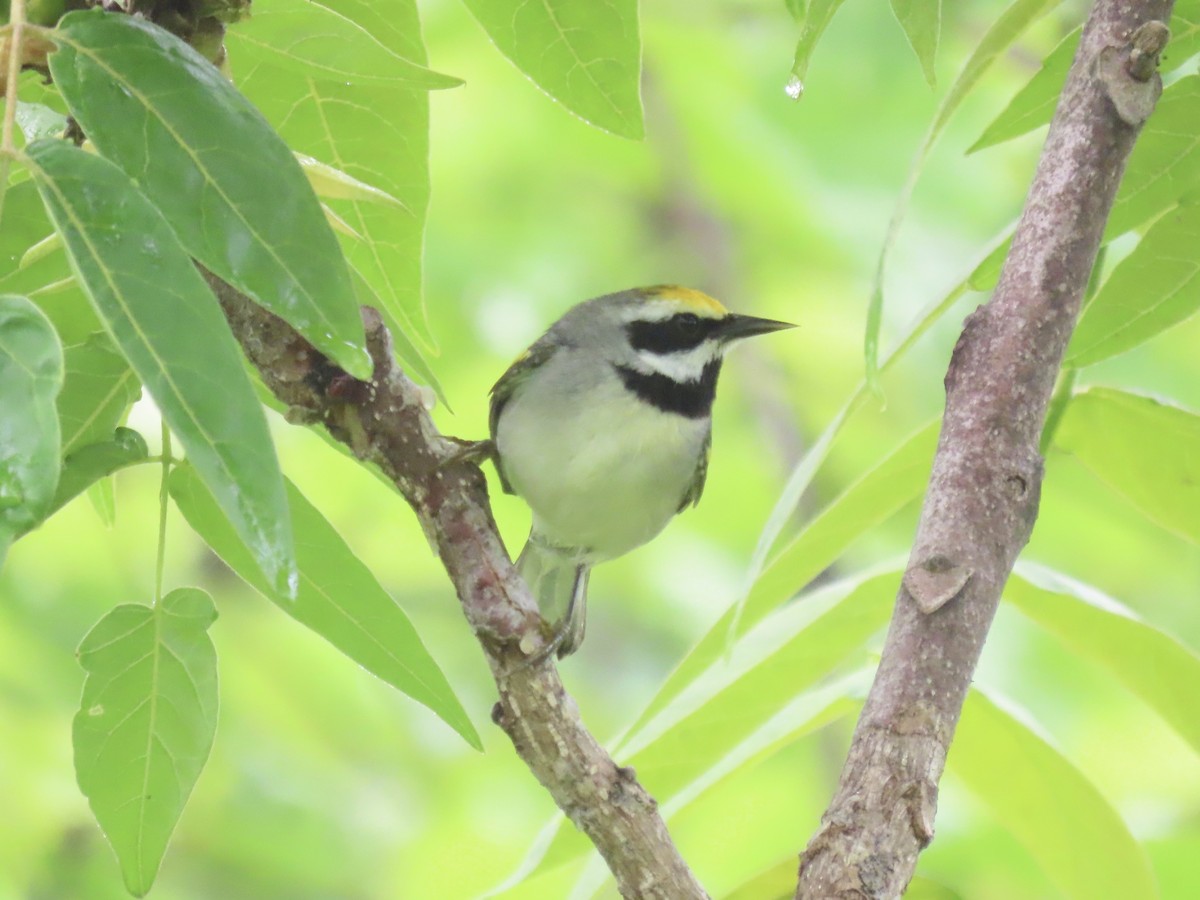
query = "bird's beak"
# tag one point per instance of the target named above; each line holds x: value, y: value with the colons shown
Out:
x: 735, y: 327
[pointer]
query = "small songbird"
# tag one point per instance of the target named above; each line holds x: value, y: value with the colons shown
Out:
x: 603, y: 427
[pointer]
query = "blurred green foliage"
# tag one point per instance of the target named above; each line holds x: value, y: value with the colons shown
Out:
x: 325, y: 782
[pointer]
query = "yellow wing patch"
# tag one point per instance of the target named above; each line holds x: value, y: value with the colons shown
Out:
x: 697, y: 300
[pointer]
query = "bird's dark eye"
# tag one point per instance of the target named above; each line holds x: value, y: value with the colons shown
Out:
x: 686, y: 323
x: 678, y: 334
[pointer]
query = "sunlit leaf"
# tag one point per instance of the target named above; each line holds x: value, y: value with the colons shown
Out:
x: 337, y: 597
x: 240, y: 204
x: 314, y: 41
x: 1154, y: 288
x: 1164, y: 166
x: 1047, y: 804
x: 31, y: 375
x: 1033, y: 105
x: 92, y: 462
x: 584, y: 54
x: 146, y: 723
x: 922, y: 24
x: 1153, y: 665
x: 171, y: 330
x: 1147, y: 451
x: 98, y: 388
x: 335, y: 184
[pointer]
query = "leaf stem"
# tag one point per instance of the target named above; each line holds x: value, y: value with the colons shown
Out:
x: 16, y: 30
x: 162, y: 513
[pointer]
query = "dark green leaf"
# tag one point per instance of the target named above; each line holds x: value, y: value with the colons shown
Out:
x: 314, y: 41
x: 1145, y: 450
x: 1153, y: 288
x: 98, y: 390
x: 1153, y: 665
x: 233, y: 192
x: 89, y: 464
x: 1047, y: 804
x: 922, y: 24
x: 146, y: 723
x: 584, y: 54
x: 31, y: 374
x: 171, y: 330
x: 337, y: 597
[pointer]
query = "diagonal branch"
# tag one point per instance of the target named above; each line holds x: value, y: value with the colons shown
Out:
x: 983, y: 493
x: 385, y: 422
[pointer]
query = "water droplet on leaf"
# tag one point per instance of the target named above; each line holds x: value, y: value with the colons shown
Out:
x: 794, y: 87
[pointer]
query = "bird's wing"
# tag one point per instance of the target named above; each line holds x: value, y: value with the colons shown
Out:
x: 696, y: 488
x: 503, y: 390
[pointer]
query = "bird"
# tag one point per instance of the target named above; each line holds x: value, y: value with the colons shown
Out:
x: 604, y: 427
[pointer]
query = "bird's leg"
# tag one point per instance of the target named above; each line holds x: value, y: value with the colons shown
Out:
x: 470, y: 452
x: 569, y: 632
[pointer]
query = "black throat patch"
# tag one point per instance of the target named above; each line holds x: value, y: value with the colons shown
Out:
x: 690, y: 399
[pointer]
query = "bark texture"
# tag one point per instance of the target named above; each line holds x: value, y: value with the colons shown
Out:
x: 385, y: 423
x: 983, y: 493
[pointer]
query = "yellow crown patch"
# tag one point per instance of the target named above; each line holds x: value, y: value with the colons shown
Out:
x: 697, y: 300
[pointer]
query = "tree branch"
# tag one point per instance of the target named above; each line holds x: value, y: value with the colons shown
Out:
x: 983, y: 493
x: 385, y: 422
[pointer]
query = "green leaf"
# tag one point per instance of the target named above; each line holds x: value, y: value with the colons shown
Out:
x: 1165, y: 164
x: 814, y: 19
x: 1150, y: 663
x: 1047, y: 805
x: 1033, y: 105
x: 103, y: 497
x: 378, y: 134
x: 1154, y: 288
x: 336, y: 596
x: 999, y: 37
x: 314, y: 41
x: 170, y: 328
x: 31, y: 375
x: 37, y: 120
x: 1145, y: 450
x: 922, y: 24
x: 89, y: 464
x: 584, y: 54
x: 240, y: 204
x: 98, y: 390
x: 879, y: 492
x: 146, y: 723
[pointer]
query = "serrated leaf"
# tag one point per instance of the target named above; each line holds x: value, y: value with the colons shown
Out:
x: 584, y: 54
x: 146, y: 723
x: 1047, y: 805
x: 87, y: 465
x: 240, y: 204
x: 1033, y: 105
x: 1147, y: 451
x: 1164, y: 166
x: 98, y: 389
x: 336, y: 596
x: 315, y: 41
x: 1153, y: 665
x: 814, y: 19
x: 1154, y: 288
x: 922, y: 24
x: 170, y: 328
x: 879, y: 492
x: 31, y: 375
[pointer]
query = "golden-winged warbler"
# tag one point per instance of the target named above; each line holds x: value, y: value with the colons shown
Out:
x: 603, y: 426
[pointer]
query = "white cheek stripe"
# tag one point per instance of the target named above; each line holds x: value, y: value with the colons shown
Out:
x: 681, y: 366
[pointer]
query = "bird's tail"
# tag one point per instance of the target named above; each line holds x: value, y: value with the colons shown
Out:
x: 558, y: 579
